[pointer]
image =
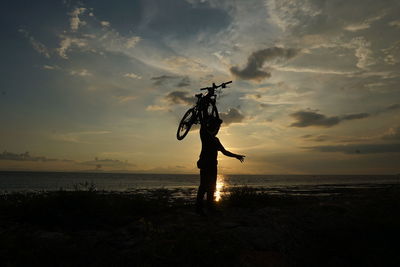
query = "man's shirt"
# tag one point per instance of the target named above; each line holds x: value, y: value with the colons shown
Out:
x: 210, y: 145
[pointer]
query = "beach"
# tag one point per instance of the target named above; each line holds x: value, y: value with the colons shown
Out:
x: 342, y: 226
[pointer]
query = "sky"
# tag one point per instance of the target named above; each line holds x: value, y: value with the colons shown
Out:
x: 102, y: 85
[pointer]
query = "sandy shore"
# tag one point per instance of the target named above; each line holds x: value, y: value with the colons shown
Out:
x: 344, y: 227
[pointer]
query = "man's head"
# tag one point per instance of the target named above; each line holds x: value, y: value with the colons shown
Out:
x: 213, y: 125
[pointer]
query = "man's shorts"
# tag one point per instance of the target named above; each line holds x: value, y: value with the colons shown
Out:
x: 208, y: 178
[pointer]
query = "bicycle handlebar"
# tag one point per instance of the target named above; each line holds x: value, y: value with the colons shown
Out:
x: 222, y: 85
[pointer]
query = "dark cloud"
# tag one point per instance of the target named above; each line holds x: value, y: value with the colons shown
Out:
x: 355, y: 116
x: 161, y: 80
x: 263, y: 105
x: 390, y: 108
x: 393, y: 107
x: 184, y: 82
x: 318, y: 138
x: 312, y: 118
x: 167, y: 79
x: 26, y: 157
x: 358, y: 148
x: 99, y: 163
x: 179, y: 98
x: 233, y: 115
x: 254, y: 66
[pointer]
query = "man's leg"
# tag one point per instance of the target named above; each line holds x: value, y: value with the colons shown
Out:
x: 212, y: 184
x: 201, y: 191
x: 210, y: 199
x: 200, y: 196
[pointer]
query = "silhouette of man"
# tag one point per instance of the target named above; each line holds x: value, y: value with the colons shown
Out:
x: 210, y: 145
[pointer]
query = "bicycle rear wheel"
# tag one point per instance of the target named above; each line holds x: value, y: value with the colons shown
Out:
x: 185, y: 124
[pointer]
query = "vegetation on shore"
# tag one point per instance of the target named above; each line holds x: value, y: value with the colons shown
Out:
x: 352, y: 227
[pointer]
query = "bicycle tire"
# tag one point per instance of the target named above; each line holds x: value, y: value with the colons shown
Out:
x: 185, y: 124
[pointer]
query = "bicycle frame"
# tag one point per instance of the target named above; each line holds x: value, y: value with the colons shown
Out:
x: 200, y: 112
x: 202, y: 105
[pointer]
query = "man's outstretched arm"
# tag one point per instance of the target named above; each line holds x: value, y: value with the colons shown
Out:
x: 230, y: 154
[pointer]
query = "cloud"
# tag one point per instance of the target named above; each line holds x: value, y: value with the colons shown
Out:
x: 288, y: 14
x: 82, y: 73
x: 313, y: 118
x: 358, y: 148
x: 98, y: 37
x: 393, y: 107
x: 255, y: 62
x: 97, y: 163
x: 110, y: 41
x: 51, y: 67
x: 132, y: 76
x: 38, y: 46
x: 364, y: 24
x: 395, y: 23
x: 67, y: 42
x: 233, y: 115
x: 26, y: 157
x: 74, y: 20
x: 318, y: 138
x: 392, y: 134
x: 255, y: 97
x: 156, y: 108
x: 160, y: 80
x: 180, y: 64
x: 392, y: 53
x: 387, y: 109
x: 363, y: 52
x: 314, y: 70
x: 324, y: 30
x: 184, y: 82
x: 165, y: 79
x: 105, y: 23
x: 132, y: 41
x: 123, y: 99
x: 180, y: 98
x: 355, y: 116
x: 114, y: 163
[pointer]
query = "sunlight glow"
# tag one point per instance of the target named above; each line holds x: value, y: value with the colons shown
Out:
x: 220, y: 187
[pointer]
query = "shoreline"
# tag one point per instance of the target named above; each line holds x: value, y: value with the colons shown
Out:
x: 188, y: 192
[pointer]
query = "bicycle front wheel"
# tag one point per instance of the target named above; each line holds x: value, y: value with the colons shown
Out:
x: 185, y: 124
x: 210, y: 112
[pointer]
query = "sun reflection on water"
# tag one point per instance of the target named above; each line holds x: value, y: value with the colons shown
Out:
x: 220, y: 187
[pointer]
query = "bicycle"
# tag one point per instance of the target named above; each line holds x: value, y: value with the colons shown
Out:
x: 204, y: 109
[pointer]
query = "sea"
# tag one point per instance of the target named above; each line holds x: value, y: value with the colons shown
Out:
x: 11, y: 181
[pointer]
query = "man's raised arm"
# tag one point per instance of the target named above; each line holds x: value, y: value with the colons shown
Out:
x: 230, y: 154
